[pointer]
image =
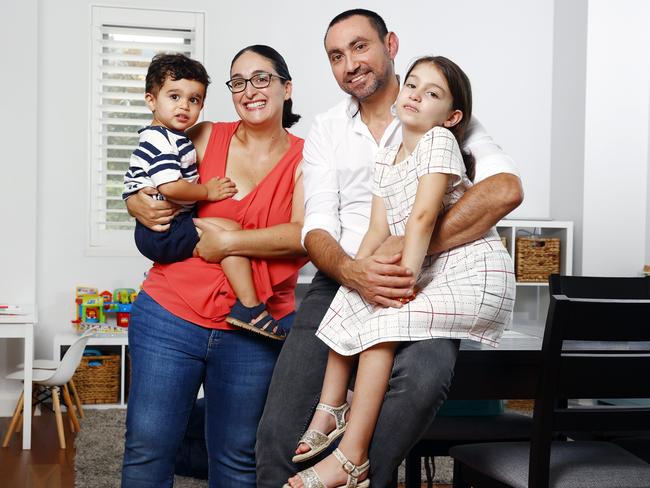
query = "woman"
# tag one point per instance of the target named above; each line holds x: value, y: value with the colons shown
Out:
x: 178, y: 337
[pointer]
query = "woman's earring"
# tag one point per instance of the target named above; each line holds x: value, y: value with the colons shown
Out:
x: 393, y: 110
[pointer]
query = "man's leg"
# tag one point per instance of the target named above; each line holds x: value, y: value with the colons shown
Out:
x: 295, y: 388
x: 421, y: 377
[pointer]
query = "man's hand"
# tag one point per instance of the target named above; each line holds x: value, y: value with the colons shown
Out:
x: 380, y: 280
x: 212, y: 245
x: 152, y: 213
x: 220, y: 189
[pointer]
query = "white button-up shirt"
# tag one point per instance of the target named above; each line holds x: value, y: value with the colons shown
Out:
x: 339, y: 158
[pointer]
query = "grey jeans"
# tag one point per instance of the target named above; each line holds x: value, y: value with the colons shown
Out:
x: 421, y: 376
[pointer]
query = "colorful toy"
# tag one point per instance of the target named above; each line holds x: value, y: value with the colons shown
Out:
x: 92, y: 308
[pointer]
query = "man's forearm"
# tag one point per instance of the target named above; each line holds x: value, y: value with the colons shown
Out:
x: 327, y: 254
x: 478, y: 210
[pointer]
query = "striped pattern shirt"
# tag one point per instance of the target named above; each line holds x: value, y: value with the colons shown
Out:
x: 163, y: 155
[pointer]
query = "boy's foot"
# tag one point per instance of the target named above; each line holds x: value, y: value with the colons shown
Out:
x: 256, y: 319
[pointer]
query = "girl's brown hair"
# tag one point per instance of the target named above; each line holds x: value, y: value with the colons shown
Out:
x: 461, y: 92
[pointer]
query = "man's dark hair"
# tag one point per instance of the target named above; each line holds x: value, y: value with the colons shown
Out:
x: 374, y: 18
x: 177, y: 67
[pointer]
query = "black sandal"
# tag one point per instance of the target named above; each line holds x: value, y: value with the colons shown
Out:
x: 242, y: 316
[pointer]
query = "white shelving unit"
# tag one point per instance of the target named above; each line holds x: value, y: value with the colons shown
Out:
x: 511, y: 229
x: 120, y: 342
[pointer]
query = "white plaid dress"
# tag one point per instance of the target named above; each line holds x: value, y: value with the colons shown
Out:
x: 466, y: 293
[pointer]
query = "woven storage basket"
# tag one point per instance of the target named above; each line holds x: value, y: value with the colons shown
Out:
x: 536, y: 258
x: 100, y: 383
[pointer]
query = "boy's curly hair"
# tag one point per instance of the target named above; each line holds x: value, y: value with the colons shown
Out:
x: 175, y: 66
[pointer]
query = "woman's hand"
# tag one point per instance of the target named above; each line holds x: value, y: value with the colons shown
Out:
x: 152, y: 213
x: 213, y: 243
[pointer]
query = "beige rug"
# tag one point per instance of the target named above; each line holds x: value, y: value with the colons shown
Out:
x: 100, y: 447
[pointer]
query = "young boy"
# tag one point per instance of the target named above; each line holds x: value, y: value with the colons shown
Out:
x: 165, y: 159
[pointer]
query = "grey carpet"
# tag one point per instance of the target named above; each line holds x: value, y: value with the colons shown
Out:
x: 100, y: 447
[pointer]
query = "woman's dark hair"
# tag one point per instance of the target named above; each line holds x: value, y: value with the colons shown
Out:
x: 177, y: 67
x: 461, y: 93
x: 280, y: 66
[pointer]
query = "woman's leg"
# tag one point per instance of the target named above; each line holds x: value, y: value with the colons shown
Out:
x: 373, y: 372
x: 239, y: 369
x: 166, y: 370
x: 335, y: 388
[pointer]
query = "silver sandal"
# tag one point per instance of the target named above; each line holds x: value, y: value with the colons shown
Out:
x: 310, y: 478
x: 316, y: 440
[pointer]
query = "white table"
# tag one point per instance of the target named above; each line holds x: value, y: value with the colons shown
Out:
x: 22, y: 326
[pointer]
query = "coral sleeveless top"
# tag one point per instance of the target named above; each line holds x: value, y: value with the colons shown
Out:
x: 198, y: 291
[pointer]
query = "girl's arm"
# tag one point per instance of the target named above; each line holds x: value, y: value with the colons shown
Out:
x: 378, y: 230
x: 421, y: 222
x: 278, y: 241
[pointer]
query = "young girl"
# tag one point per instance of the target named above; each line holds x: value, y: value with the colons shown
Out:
x: 467, y: 292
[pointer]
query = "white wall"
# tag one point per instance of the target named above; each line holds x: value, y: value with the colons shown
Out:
x: 568, y: 120
x: 616, y: 138
x: 18, y: 186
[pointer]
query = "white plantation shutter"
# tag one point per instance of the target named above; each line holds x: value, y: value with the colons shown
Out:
x: 124, y: 41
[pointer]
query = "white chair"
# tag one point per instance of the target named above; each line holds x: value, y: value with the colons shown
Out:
x: 53, y: 380
x: 70, y: 386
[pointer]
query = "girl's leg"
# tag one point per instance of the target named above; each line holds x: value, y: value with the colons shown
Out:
x: 239, y: 369
x: 166, y: 370
x: 335, y: 387
x: 238, y: 269
x: 373, y: 372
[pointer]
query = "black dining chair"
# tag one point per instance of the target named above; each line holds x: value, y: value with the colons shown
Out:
x: 447, y: 432
x: 610, y: 319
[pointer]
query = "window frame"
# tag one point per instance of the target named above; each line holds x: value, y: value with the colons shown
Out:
x: 101, y: 241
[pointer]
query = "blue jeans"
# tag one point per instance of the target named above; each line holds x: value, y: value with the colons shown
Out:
x: 170, y: 358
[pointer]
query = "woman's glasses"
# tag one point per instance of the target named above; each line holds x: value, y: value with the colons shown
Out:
x: 258, y: 80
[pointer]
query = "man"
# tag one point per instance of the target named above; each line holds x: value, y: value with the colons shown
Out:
x: 338, y: 165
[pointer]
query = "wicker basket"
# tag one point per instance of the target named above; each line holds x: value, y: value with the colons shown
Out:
x: 100, y: 383
x: 536, y: 258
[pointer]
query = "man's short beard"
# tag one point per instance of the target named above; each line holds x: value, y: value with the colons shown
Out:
x: 370, y: 90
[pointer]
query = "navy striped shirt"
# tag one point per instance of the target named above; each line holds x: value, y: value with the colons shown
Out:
x: 163, y: 155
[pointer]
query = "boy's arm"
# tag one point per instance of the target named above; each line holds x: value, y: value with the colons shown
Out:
x: 213, y: 190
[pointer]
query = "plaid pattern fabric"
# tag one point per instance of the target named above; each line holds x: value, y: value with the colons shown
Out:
x: 466, y: 293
